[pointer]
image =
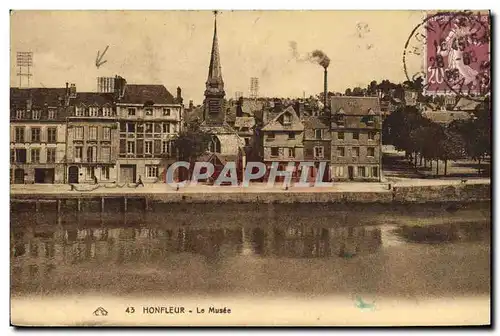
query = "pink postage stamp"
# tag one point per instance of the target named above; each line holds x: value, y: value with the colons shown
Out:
x: 457, y: 58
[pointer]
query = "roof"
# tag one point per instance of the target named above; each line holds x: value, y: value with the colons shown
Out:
x: 276, y: 125
x: 249, y: 106
x: 93, y: 98
x: 355, y: 105
x: 40, y: 97
x: 217, y: 129
x: 314, y: 122
x: 244, y: 122
x: 446, y: 117
x: 144, y: 93
x: 465, y: 104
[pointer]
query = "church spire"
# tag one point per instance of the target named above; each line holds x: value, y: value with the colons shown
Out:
x: 214, y: 80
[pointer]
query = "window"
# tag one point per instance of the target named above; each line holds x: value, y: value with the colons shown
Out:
x: 371, y: 135
x: 51, y: 135
x: 355, y: 151
x: 131, y: 111
x: 319, y: 152
x: 149, y: 128
x: 123, y: 127
x: 274, y: 151
x: 287, y: 119
x: 78, y: 152
x: 93, y: 111
x: 270, y: 136
x: 19, y: 134
x: 341, y: 151
x: 51, y: 155
x: 130, y: 127
x: 375, y: 171
x: 35, y: 155
x: 92, y: 154
x: 19, y: 114
x: 90, y: 173
x: 148, y: 147
x: 157, y: 127
x: 166, y: 147
x: 291, y: 135
x: 149, y: 111
x: 106, y: 112
x: 340, y: 135
x: 106, y: 154
x: 21, y: 155
x: 166, y: 112
x: 339, y: 171
x: 214, y: 146
x: 79, y: 111
x: 291, y: 152
x: 361, y: 171
x: 106, y: 133
x: 318, y: 134
x: 355, y: 135
x: 166, y: 127
x: 35, y: 134
x: 92, y: 133
x: 370, y: 151
x: 151, y: 171
x: 52, y: 114
x: 131, y: 147
x: 79, y: 133
x: 12, y: 155
x: 104, y: 173
x: 36, y: 114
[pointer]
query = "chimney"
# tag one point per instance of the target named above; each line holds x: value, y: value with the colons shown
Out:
x: 179, y: 95
x: 325, y: 98
x: 72, y: 91
x: 299, y: 108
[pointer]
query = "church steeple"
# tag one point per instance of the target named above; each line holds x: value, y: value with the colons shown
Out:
x: 215, y: 84
x: 214, y: 106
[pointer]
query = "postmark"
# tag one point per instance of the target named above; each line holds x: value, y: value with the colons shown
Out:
x: 450, y: 51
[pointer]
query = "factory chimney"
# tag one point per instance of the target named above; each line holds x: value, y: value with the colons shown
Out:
x: 325, y: 98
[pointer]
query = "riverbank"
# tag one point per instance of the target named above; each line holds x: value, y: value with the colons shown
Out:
x: 404, y: 191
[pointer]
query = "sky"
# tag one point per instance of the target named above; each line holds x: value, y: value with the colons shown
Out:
x: 173, y: 48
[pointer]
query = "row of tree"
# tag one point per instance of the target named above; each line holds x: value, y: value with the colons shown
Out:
x: 422, y: 138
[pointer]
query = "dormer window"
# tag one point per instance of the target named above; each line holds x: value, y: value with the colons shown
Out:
x: 370, y: 119
x: 149, y: 111
x: 36, y: 114
x: 93, y: 111
x: 52, y: 114
x: 106, y: 111
x: 340, y: 116
x: 131, y: 111
x: 19, y: 114
x: 166, y: 112
x: 287, y: 119
x: 79, y: 111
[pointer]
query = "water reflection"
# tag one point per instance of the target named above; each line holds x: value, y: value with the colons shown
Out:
x: 63, y: 254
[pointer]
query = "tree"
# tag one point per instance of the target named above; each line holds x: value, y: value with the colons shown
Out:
x: 359, y: 92
x: 191, y: 142
x: 348, y: 92
x: 451, y: 147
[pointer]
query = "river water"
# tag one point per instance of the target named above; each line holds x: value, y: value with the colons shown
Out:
x: 303, y: 252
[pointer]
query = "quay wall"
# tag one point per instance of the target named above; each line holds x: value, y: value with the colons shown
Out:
x: 398, y: 194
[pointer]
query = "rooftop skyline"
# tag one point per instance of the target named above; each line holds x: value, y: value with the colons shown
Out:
x: 173, y: 48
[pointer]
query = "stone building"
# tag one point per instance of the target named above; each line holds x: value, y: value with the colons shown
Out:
x: 356, y: 138
x: 37, y: 134
x: 283, y: 135
x: 149, y: 118
x: 92, y: 139
x: 317, y: 146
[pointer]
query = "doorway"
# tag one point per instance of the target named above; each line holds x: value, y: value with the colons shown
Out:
x: 43, y: 175
x: 73, y: 174
x: 127, y: 173
x: 350, y: 172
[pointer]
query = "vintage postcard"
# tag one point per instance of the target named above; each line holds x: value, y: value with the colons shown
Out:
x: 250, y: 168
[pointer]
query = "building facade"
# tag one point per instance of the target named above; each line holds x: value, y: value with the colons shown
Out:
x: 283, y: 136
x: 37, y: 134
x: 92, y: 138
x: 356, y: 138
x: 317, y: 147
x: 149, y: 118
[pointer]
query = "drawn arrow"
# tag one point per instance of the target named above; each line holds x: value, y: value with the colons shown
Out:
x: 98, y: 60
